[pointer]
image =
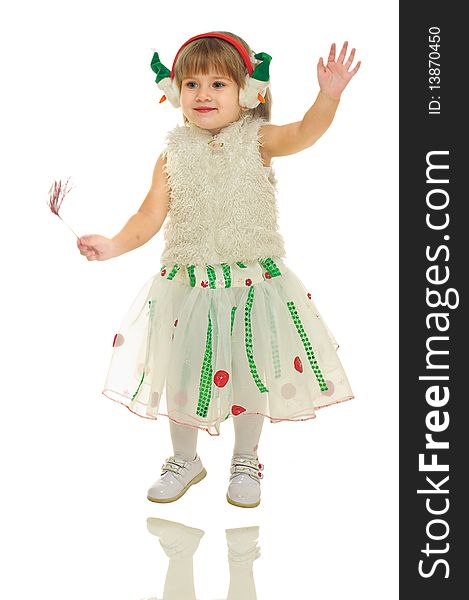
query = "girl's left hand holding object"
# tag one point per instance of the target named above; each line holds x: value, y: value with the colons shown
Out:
x: 96, y: 247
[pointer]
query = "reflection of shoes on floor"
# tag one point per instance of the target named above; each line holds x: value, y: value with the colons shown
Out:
x: 176, y: 539
x: 244, y: 489
x: 242, y: 545
x: 176, y: 478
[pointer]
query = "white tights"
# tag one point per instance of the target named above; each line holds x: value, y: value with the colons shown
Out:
x: 247, y: 428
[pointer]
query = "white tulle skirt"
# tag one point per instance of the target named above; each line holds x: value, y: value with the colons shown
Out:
x: 202, y: 343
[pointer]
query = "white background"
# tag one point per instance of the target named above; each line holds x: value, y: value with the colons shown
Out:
x: 79, y: 99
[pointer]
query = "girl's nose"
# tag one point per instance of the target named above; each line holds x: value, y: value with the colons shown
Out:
x: 203, y: 95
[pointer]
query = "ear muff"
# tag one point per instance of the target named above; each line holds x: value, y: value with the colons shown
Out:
x: 255, y: 87
x: 256, y: 81
x: 165, y: 82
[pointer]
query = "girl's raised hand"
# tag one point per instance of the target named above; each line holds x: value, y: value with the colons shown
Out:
x: 334, y: 77
x: 96, y: 247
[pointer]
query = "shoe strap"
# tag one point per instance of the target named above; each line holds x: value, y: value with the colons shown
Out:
x: 174, y: 465
x: 252, y: 461
x: 249, y: 465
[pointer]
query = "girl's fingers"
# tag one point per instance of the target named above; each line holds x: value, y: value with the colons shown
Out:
x: 341, y: 56
x: 89, y: 252
x: 331, y: 57
x: 357, y: 66
x: 350, y: 59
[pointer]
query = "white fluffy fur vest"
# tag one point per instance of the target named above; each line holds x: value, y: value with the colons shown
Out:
x: 222, y: 203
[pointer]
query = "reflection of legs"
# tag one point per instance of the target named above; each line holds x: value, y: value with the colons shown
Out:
x: 179, y: 543
x: 184, y: 440
x: 242, y: 552
x: 179, y: 583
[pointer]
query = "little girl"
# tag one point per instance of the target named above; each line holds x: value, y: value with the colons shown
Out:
x: 225, y: 324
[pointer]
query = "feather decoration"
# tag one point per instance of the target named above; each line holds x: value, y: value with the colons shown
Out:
x: 57, y: 193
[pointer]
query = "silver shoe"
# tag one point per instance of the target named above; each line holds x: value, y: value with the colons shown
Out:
x: 177, y: 476
x: 244, y: 489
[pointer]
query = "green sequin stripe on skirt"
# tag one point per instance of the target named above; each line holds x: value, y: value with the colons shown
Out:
x: 205, y: 388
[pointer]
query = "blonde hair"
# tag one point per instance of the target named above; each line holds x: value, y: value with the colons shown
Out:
x: 204, y: 54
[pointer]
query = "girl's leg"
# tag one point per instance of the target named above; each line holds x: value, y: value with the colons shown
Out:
x: 244, y: 487
x: 184, y: 440
x: 248, y: 430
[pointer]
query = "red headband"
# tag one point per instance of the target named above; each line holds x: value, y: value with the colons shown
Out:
x: 239, y: 47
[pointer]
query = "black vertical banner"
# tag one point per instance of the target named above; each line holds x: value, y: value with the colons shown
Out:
x: 434, y: 267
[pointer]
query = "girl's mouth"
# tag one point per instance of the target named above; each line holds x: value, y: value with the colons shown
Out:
x: 204, y: 110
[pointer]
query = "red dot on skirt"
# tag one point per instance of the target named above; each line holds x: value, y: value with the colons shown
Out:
x: 248, y: 281
x: 204, y: 283
x: 298, y: 364
x: 237, y: 410
x: 267, y: 275
x: 309, y: 295
x: 221, y: 378
x: 163, y: 272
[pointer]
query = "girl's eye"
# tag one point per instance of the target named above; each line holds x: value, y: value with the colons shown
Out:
x: 217, y: 84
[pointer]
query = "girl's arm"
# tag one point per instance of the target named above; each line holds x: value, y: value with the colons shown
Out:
x: 142, y: 226
x: 149, y: 218
x: 294, y: 137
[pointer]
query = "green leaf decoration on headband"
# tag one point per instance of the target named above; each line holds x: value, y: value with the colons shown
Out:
x: 261, y: 72
x: 157, y: 67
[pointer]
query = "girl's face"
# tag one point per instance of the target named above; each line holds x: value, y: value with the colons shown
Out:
x: 210, y: 101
